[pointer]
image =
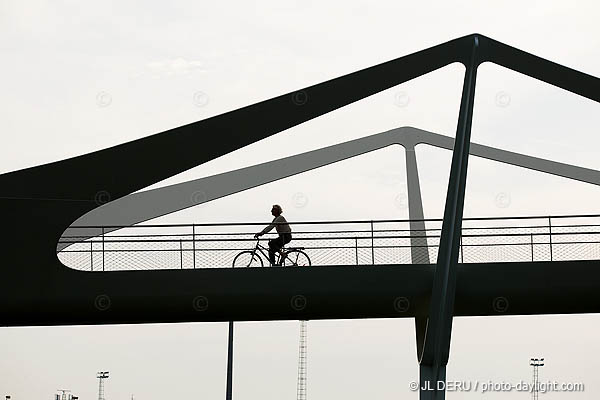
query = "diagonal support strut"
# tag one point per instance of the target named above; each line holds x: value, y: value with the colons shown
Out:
x: 438, y: 330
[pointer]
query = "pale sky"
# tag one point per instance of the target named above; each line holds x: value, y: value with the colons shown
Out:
x: 82, y: 76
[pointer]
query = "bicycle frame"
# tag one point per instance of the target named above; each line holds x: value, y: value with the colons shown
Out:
x: 262, y: 249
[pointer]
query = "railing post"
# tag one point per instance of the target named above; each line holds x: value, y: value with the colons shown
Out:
x: 462, y: 257
x: 181, y: 253
x: 356, y: 248
x: 550, y: 235
x: 194, y: 244
x: 372, y: 245
x: 91, y: 254
x: 531, y: 247
x: 102, y: 248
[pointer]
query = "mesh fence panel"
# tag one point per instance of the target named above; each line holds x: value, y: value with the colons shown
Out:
x: 336, y: 243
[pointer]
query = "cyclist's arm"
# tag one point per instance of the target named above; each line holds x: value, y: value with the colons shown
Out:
x: 268, y: 229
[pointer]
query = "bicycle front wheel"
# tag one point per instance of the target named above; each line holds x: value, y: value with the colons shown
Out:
x: 296, y: 258
x: 247, y: 259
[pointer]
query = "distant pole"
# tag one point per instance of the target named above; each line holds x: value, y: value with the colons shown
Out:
x: 301, y: 384
x: 102, y: 375
x: 536, y: 363
x: 229, y: 392
x: 63, y: 395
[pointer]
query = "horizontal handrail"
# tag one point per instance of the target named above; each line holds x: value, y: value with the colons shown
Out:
x: 205, y: 224
x: 527, y: 234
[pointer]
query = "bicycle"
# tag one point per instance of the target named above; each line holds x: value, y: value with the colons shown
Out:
x: 285, y: 257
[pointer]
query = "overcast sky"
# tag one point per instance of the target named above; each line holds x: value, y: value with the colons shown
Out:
x: 82, y: 76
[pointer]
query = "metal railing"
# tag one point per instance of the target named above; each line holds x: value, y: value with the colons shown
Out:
x: 189, y: 246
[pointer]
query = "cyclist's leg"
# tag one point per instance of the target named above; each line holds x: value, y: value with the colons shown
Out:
x: 285, y: 238
x: 274, y: 246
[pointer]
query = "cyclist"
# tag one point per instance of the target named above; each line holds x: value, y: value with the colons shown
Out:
x: 283, y: 229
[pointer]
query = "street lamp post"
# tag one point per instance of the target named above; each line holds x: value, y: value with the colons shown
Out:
x: 102, y: 375
x: 536, y: 363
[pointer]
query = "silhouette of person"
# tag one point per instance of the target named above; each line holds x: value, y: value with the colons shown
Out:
x: 283, y: 229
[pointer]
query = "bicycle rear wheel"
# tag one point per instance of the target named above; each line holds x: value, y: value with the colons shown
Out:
x: 296, y: 258
x: 247, y: 259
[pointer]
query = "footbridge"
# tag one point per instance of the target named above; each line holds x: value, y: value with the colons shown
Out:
x: 75, y: 250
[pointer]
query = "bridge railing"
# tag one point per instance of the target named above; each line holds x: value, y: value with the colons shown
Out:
x: 190, y: 246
